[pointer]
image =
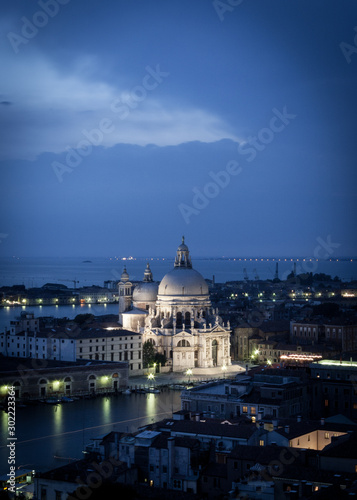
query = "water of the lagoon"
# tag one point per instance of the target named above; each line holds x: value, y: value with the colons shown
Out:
x: 45, y: 431
x: 35, y: 272
x: 8, y: 314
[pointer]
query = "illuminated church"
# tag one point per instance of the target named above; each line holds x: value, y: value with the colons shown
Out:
x: 176, y: 316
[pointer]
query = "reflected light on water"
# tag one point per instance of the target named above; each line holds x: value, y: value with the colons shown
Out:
x: 151, y: 404
x: 106, y: 409
x: 58, y: 419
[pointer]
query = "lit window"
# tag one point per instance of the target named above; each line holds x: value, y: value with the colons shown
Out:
x: 245, y: 409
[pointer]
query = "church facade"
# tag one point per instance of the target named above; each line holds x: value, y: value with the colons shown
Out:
x: 176, y: 316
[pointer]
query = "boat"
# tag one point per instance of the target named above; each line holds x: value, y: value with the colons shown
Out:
x: 66, y: 399
x: 127, y: 392
x: 53, y: 400
x: 152, y: 390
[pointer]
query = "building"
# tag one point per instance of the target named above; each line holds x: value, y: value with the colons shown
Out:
x: 38, y: 378
x: 258, y: 397
x: 99, y: 340
x: 338, y: 387
x: 176, y: 316
x: 341, y: 332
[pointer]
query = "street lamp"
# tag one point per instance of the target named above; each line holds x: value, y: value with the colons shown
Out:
x: 150, y: 378
x: 189, y: 373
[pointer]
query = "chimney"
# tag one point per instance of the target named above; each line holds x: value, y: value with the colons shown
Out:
x: 299, y: 418
x: 287, y: 429
x: 322, y: 421
x: 197, y: 417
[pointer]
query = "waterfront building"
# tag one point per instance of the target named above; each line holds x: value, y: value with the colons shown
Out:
x: 176, y: 316
x: 38, y: 379
x: 104, y: 341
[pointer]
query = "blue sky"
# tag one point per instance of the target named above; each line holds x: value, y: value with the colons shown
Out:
x: 127, y: 124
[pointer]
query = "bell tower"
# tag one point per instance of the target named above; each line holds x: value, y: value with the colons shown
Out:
x: 125, y: 292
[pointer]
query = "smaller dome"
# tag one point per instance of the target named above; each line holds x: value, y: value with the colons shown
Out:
x: 183, y: 247
x: 124, y: 275
x: 147, y: 273
x: 145, y: 292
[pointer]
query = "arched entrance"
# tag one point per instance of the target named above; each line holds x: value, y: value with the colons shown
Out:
x: 187, y: 319
x: 214, y: 352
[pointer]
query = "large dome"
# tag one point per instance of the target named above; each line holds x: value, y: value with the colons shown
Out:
x: 183, y: 281
x: 145, y: 292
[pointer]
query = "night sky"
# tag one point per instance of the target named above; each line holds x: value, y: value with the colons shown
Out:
x: 125, y: 124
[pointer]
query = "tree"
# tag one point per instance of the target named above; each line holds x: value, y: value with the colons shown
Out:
x: 148, y: 354
x: 160, y: 359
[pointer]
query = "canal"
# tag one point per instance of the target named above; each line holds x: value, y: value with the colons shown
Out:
x: 50, y: 436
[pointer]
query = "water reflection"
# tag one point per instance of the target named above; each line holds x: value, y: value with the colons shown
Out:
x: 45, y: 432
x: 58, y: 419
x: 3, y: 425
x: 106, y: 409
x: 151, y: 404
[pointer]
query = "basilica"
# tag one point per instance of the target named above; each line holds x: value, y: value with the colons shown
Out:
x: 176, y: 316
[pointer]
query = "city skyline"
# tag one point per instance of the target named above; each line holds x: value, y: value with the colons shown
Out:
x: 125, y: 126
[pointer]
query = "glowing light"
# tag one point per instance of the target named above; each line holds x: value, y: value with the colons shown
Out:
x: 56, y: 384
x: 301, y: 357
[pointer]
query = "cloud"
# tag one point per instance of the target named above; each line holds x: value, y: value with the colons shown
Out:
x: 51, y: 109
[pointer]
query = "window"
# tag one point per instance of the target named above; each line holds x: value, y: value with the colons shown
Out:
x: 261, y: 442
x: 58, y: 495
x: 327, y: 435
x: 252, y: 410
x: 245, y: 409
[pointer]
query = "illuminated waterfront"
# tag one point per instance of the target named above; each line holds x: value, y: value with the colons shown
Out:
x: 46, y: 431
